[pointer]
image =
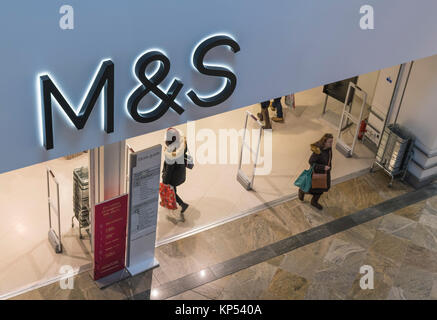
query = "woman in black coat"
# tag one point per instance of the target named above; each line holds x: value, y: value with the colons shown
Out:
x: 174, y: 170
x: 321, y: 161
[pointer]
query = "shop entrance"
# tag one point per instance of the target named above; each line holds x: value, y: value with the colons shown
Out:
x: 211, y: 189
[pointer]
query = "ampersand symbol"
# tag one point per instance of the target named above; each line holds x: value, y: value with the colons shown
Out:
x: 151, y: 85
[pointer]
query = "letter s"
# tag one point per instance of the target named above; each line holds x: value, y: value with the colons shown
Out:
x: 198, y: 62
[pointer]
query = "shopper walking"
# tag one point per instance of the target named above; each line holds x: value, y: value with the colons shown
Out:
x: 277, y: 105
x: 321, y: 161
x: 264, y: 114
x: 175, y: 153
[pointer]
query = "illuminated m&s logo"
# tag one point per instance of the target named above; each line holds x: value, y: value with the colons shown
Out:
x: 104, y: 81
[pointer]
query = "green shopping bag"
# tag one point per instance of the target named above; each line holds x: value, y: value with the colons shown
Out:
x: 304, y: 180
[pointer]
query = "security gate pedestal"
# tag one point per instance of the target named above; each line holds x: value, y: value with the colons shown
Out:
x: 342, y: 146
x: 242, y: 178
x: 54, y: 238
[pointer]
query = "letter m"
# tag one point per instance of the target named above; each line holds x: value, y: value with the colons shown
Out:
x: 103, y: 80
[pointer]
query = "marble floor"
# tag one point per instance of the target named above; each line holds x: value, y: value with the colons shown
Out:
x: 216, y: 199
x: 401, y: 250
x: 266, y: 256
x: 400, y: 246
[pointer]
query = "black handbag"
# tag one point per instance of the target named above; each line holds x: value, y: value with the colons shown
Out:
x: 188, y: 160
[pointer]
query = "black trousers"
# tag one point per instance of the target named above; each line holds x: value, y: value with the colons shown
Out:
x: 265, y: 104
x: 316, y: 195
x: 178, y: 199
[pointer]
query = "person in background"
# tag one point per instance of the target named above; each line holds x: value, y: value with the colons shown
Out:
x: 264, y: 114
x: 277, y: 105
x: 321, y: 159
x: 174, y: 171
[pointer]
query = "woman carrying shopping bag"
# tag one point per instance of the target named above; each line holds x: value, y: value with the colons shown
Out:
x: 175, y: 163
x: 321, y: 163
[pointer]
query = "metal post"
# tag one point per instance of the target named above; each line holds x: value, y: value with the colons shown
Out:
x: 48, y: 196
x: 256, y: 156
x: 129, y: 150
x: 59, y: 213
x: 54, y: 239
x: 359, y: 119
x: 324, y: 106
x: 342, y: 115
x: 241, y: 177
x: 242, y: 145
x: 92, y: 183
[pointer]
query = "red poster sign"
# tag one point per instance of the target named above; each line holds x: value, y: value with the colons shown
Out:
x: 110, y: 236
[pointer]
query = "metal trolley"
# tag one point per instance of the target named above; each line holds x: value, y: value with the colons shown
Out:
x: 394, y: 152
x: 81, y: 204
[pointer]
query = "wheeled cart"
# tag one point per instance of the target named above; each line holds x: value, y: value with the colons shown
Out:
x: 81, y: 204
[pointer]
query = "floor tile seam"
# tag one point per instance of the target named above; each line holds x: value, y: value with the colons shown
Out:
x: 201, y: 294
x: 257, y: 261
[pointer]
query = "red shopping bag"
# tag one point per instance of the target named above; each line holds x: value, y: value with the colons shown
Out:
x: 168, y: 198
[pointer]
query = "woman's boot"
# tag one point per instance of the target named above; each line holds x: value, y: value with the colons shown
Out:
x: 184, y: 208
x: 315, y: 201
x: 301, y: 195
x: 260, y: 116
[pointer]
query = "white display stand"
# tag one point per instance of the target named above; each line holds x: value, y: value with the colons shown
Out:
x: 145, y: 171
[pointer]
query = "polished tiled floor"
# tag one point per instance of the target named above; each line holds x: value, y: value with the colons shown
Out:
x: 294, y: 252
x: 401, y: 247
x: 329, y: 269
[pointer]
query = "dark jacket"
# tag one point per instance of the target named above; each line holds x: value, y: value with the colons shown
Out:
x: 174, y: 174
x: 321, y: 158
